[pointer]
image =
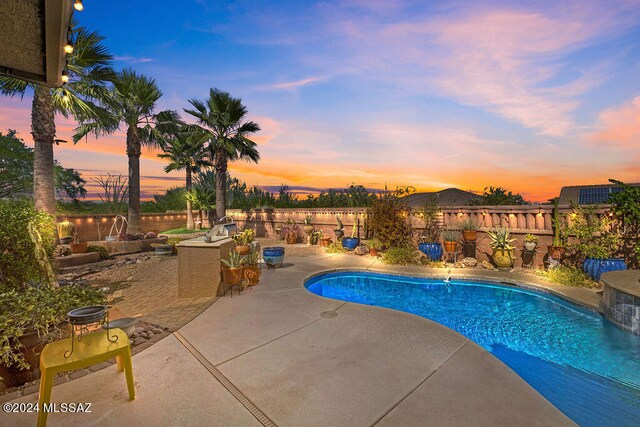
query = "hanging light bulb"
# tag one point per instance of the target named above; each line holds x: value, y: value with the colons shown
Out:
x: 68, y: 48
x: 78, y: 5
x: 65, y: 76
x: 65, y: 96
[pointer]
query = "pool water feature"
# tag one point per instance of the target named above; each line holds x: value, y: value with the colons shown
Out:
x: 583, y: 364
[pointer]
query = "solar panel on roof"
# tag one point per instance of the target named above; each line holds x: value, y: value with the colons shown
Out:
x: 597, y: 195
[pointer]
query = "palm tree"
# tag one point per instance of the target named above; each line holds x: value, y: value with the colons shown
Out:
x: 88, y: 71
x: 220, y: 119
x: 185, y: 150
x: 131, y: 102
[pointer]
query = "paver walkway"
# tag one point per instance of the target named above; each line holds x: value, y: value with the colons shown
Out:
x: 153, y: 295
x: 280, y: 355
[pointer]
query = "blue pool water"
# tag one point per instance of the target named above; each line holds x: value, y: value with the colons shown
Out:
x: 587, y: 367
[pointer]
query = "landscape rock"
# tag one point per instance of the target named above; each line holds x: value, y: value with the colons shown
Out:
x: 361, y: 250
x: 138, y: 341
x: 487, y: 265
x: 157, y: 330
x: 469, y: 262
x: 458, y: 264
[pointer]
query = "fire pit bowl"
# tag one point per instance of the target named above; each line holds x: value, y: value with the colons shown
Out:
x: 87, y: 315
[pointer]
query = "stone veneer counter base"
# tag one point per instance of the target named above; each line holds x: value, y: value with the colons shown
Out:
x: 621, y: 299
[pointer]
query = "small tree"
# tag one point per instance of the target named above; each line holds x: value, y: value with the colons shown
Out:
x: 498, y: 196
x: 389, y: 221
x: 430, y: 213
x: 115, y: 193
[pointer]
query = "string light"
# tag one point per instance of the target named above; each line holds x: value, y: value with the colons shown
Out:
x: 78, y: 5
x: 65, y: 96
x: 65, y: 76
x: 68, y: 48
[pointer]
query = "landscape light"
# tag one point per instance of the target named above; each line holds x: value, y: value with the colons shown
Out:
x: 78, y: 6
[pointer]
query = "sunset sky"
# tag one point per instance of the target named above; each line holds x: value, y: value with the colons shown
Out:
x: 530, y: 95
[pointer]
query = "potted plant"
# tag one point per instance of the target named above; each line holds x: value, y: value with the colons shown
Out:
x: 243, y: 240
x: 29, y: 319
x: 339, y: 231
x: 557, y: 249
x: 500, y: 242
x: 430, y: 239
x: 232, y: 268
x: 469, y: 229
x: 290, y: 232
x: 530, y: 241
x: 374, y: 246
x: 308, y: 227
x: 251, y: 270
x: 450, y: 240
x: 597, y: 241
x: 350, y: 243
x: 66, y: 229
x: 315, y: 237
x: 76, y: 246
x: 325, y: 241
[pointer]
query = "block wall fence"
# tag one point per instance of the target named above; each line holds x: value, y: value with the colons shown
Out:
x: 534, y: 219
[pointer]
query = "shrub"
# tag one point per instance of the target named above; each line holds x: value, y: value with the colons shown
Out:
x: 389, y: 221
x: 401, y: 256
x: 37, y: 309
x: 104, y: 253
x: 18, y: 263
x: 335, y: 248
x: 595, y: 234
x: 174, y: 240
x: 568, y: 276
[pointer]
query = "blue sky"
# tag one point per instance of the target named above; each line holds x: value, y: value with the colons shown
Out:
x: 525, y: 95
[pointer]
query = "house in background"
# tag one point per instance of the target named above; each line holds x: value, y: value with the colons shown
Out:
x: 589, y: 194
x: 447, y: 197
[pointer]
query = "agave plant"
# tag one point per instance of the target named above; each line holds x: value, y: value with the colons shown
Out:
x: 235, y: 260
x: 499, y: 239
x: 253, y: 257
x: 450, y: 235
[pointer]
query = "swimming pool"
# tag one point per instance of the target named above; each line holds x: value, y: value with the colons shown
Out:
x: 584, y: 365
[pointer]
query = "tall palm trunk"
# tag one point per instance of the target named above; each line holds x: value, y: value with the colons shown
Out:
x: 43, y: 129
x: 220, y: 166
x: 133, y: 152
x: 189, y: 208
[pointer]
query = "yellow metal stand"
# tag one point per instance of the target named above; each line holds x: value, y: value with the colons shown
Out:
x: 92, y: 349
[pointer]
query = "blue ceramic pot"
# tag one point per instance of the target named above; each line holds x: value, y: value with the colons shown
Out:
x: 273, y: 256
x: 433, y: 250
x: 595, y: 267
x: 350, y: 243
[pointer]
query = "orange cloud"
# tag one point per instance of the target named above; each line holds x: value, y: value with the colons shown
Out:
x: 620, y: 126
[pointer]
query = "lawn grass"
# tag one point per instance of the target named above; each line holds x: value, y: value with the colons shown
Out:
x: 183, y: 231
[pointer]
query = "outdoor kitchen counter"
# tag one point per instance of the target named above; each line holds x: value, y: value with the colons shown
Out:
x: 199, y: 273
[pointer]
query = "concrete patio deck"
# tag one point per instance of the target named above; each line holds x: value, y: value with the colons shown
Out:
x: 277, y: 354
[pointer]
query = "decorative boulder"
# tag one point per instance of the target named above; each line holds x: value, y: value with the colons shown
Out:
x: 361, y: 250
x: 487, y: 265
x: 469, y: 262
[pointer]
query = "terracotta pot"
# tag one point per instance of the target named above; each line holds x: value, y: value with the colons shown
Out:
x: 555, y: 252
x: 307, y: 229
x: 373, y: 252
x: 243, y: 249
x: 325, y: 241
x: 78, y: 248
x: 469, y: 235
x: 231, y: 276
x: 503, y: 258
x: 450, y: 246
x: 13, y: 376
x: 292, y: 238
x: 252, y: 274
